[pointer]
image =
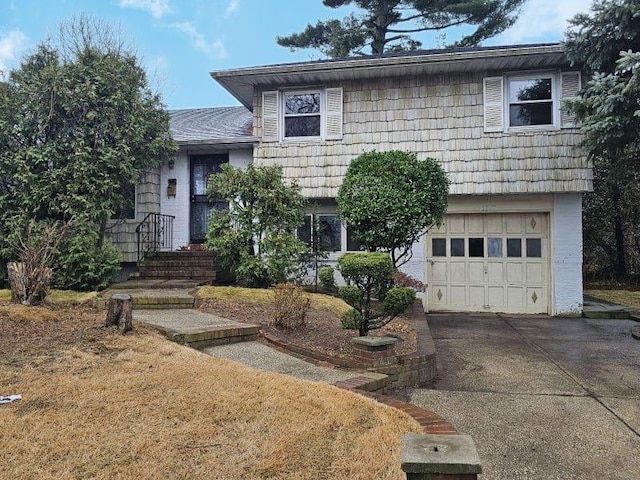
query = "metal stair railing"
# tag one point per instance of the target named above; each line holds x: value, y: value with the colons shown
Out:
x: 154, y: 233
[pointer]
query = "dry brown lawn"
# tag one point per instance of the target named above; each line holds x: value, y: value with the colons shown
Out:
x: 628, y: 298
x: 100, y: 405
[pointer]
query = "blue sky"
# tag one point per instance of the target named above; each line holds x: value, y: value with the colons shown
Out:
x: 181, y: 41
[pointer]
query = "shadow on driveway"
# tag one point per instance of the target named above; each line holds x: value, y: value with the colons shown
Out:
x: 543, y: 398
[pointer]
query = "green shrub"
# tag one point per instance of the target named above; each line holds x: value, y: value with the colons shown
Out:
x: 390, y: 199
x: 367, y: 275
x: 351, y: 320
x: 291, y: 306
x: 82, y: 263
x: 327, y: 278
x: 397, y: 300
x: 255, y: 236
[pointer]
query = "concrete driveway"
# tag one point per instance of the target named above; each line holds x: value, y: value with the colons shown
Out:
x: 543, y: 398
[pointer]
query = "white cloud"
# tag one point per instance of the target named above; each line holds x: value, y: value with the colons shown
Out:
x: 231, y: 7
x: 543, y: 21
x: 214, y: 49
x: 10, y: 46
x: 157, y: 8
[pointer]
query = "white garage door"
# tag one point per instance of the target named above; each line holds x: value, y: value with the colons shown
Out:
x: 489, y: 262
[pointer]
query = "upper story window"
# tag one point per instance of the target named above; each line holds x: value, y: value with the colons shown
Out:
x: 531, y: 101
x: 302, y: 114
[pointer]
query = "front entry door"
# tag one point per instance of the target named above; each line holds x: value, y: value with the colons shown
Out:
x: 201, y: 167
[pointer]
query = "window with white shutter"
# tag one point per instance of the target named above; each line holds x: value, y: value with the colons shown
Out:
x: 529, y: 101
x: 334, y: 113
x: 493, y: 104
x: 569, y: 87
x: 302, y: 115
x: 270, y: 118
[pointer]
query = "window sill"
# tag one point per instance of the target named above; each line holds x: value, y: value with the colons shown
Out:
x: 533, y: 128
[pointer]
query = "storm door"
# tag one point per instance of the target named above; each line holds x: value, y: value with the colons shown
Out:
x: 202, y: 166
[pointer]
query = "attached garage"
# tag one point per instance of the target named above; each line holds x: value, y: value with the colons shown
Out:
x: 495, y: 262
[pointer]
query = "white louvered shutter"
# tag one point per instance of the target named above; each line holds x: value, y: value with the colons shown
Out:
x: 334, y: 114
x: 493, y: 104
x: 270, y: 120
x: 569, y: 86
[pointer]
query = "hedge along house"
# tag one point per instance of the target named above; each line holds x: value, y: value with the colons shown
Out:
x: 512, y: 237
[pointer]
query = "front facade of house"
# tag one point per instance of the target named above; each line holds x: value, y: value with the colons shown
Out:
x: 511, y: 240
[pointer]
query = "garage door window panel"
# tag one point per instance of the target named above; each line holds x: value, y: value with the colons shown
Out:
x: 476, y: 247
x: 495, y: 247
x: 439, y: 247
x: 534, y: 248
x: 514, y: 247
x: 457, y: 247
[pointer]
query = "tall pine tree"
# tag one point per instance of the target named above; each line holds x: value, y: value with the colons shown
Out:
x: 381, y: 26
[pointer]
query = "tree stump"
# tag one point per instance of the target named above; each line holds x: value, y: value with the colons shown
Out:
x: 120, y: 312
x: 17, y: 282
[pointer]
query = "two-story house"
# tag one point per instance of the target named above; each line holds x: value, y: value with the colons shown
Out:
x: 493, y: 118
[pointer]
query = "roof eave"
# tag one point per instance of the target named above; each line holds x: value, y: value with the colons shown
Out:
x: 241, y: 82
x: 240, y: 141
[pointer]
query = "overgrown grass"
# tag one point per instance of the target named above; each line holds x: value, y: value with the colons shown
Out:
x: 60, y: 297
x: 628, y: 298
x: 262, y: 295
x: 140, y: 407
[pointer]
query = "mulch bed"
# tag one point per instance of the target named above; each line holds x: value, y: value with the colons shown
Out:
x: 322, y: 333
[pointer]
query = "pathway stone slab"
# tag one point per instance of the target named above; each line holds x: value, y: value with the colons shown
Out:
x: 183, y: 321
x: 266, y: 358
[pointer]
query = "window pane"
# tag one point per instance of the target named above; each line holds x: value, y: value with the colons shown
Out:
x: 303, y: 103
x: 534, y: 248
x: 476, y: 247
x: 495, y: 247
x: 353, y: 244
x: 439, y: 247
x: 457, y: 247
x: 531, y: 114
x: 304, y: 231
x: 514, y: 247
x: 329, y: 233
x: 534, y: 89
x: 302, y: 126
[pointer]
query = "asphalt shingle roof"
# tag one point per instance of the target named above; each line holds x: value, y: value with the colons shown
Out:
x: 201, y: 124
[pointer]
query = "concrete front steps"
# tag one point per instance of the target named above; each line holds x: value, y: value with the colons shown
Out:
x: 168, y: 306
x: 152, y: 294
x: 197, y: 329
x: 196, y: 266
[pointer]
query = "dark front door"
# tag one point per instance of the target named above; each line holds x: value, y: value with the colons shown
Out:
x: 201, y: 167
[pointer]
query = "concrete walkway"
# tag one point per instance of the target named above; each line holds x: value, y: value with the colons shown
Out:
x: 543, y: 398
x: 181, y: 325
x: 265, y: 358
